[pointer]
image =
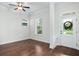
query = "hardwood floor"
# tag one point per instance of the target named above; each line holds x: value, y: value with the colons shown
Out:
x: 34, y: 48
x: 65, y: 51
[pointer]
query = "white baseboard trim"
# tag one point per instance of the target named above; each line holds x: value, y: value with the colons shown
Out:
x: 40, y: 40
x: 1, y: 43
x: 53, y: 46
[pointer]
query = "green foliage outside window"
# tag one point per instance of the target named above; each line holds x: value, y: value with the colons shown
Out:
x: 39, y: 26
x: 68, y: 28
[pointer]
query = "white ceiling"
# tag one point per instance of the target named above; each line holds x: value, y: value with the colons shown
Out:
x: 34, y: 6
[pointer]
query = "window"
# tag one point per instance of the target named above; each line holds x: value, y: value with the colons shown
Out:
x: 68, y: 19
x: 68, y: 27
x: 38, y: 26
x: 24, y: 22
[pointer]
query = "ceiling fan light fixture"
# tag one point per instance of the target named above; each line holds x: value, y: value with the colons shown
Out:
x: 19, y: 8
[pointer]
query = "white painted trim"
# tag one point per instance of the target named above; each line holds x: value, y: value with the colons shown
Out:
x: 1, y: 43
x: 52, y: 47
x: 40, y: 40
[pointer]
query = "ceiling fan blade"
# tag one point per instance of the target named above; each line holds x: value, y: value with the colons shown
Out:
x: 15, y: 8
x: 23, y: 10
x: 11, y: 4
x: 25, y: 7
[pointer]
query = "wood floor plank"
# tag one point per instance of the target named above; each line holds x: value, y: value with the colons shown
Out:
x: 32, y: 47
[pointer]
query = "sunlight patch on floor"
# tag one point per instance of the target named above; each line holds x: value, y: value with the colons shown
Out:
x: 38, y: 50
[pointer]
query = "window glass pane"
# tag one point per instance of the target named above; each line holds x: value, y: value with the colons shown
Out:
x: 39, y: 26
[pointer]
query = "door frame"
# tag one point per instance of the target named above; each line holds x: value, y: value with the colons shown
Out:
x: 61, y: 30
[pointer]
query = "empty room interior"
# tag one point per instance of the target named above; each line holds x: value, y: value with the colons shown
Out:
x: 39, y: 28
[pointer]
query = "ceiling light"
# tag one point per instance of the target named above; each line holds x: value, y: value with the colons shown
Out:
x: 19, y: 8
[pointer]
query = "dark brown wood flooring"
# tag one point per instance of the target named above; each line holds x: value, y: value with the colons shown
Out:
x: 35, y: 48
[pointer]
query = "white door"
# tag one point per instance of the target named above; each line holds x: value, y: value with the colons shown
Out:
x: 68, y: 30
x: 77, y: 43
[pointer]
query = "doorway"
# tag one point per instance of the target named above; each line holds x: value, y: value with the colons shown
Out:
x: 68, y: 30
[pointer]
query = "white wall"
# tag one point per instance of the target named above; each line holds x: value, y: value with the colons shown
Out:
x: 59, y: 9
x: 67, y: 7
x: 11, y: 29
x: 42, y: 13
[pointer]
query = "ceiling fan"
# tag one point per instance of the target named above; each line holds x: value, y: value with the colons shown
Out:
x: 19, y: 6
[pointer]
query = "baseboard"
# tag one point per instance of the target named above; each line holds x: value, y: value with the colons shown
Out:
x: 68, y: 47
x: 53, y: 46
x: 40, y: 40
x: 12, y: 41
x: 23, y: 39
